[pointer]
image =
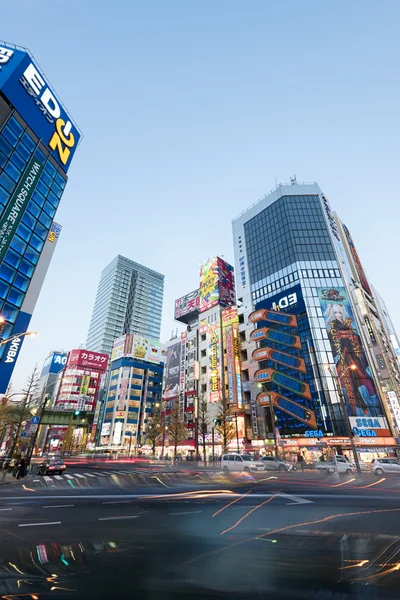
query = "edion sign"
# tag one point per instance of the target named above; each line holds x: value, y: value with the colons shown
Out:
x: 85, y: 358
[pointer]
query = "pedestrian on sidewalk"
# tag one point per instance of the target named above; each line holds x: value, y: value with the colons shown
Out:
x: 21, y: 468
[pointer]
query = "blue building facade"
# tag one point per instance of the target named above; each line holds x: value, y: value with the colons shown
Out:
x: 37, y: 143
x: 134, y: 387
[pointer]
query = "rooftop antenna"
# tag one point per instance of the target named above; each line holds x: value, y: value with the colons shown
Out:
x: 293, y: 180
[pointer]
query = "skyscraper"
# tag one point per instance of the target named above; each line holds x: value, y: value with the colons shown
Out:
x: 129, y: 300
x: 293, y: 256
x: 37, y: 143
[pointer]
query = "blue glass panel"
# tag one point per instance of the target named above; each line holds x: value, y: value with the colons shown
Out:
x: 10, y: 313
x: 13, y: 172
x: 57, y: 190
x: 38, y: 198
x: 4, y: 196
x: 28, y: 141
x: 46, y: 178
x: 7, y: 273
x: 50, y: 210
x: 28, y: 220
x: 36, y: 242
x: 10, y: 135
x: 50, y: 169
x: 53, y: 199
x: 23, y: 152
x: 3, y: 159
x: 12, y: 258
x: 40, y: 156
x: 41, y: 231
x: 45, y: 220
x: 18, y: 245
x: 21, y: 282
x: 32, y: 255
x: 33, y: 208
x: 7, y: 182
x: 61, y: 181
x: 15, y: 297
x: 3, y: 290
x: 24, y: 232
x: 18, y: 161
x: 16, y: 127
x: 5, y: 146
x: 42, y: 187
x: 25, y: 268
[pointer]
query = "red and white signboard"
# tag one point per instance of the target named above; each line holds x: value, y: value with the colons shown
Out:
x: 86, y: 358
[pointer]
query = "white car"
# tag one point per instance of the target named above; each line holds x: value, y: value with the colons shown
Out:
x: 271, y: 463
x: 240, y: 462
x: 379, y: 466
x: 337, y: 464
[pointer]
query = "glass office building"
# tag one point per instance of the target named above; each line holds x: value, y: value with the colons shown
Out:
x: 129, y: 300
x: 37, y: 143
x: 289, y: 257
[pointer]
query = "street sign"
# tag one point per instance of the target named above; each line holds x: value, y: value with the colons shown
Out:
x: 35, y: 420
x: 23, y: 434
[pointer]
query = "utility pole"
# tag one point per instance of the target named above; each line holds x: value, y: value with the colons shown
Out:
x: 45, y: 399
x: 272, y: 415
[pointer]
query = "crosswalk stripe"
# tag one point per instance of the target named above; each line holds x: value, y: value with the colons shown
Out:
x: 46, y: 478
x: 89, y: 475
x: 107, y: 473
x: 79, y: 475
x: 101, y: 475
x: 58, y: 477
x: 69, y: 476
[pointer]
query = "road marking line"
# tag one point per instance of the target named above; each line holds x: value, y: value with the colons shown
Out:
x: 79, y: 475
x: 191, y: 512
x: 343, y: 483
x: 58, y: 477
x: 36, y: 480
x: 230, y: 503
x: 89, y: 475
x: 47, y: 478
x: 248, y: 514
x: 101, y: 475
x: 118, y: 502
x: 37, y: 524
x: 5, y: 508
x: 296, y: 499
x: 69, y: 476
x: 116, y: 518
x: 58, y: 505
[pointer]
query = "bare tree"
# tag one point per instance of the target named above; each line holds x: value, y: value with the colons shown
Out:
x: 225, y: 425
x: 153, y: 429
x: 23, y: 409
x: 202, y: 423
x: 176, y: 429
x: 68, y: 439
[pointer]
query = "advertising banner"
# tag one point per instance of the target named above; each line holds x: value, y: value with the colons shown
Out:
x: 172, y: 370
x: 237, y: 367
x: 105, y: 429
x: 14, y: 211
x: 28, y: 90
x: 118, y: 348
x: 394, y: 403
x: 209, y: 285
x: 145, y: 349
x: 357, y: 262
x: 230, y: 364
x: 187, y: 304
x: 85, y: 358
x: 226, y: 283
x: 182, y: 378
x: 83, y: 390
x: 369, y: 426
x: 215, y: 375
x: 123, y: 390
x: 230, y: 315
x: 290, y: 301
x: 358, y: 387
x: 54, y: 363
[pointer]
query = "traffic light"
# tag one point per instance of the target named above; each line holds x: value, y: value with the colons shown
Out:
x: 217, y: 422
x: 76, y: 414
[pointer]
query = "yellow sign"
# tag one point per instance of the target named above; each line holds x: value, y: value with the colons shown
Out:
x: 83, y: 390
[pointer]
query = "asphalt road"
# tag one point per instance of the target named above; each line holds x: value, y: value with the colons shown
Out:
x: 296, y: 536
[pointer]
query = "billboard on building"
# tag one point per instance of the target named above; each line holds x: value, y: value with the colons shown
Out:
x: 54, y: 363
x: 122, y: 346
x: 145, y: 349
x: 172, y: 370
x: 217, y: 284
x: 357, y: 261
x: 358, y: 385
x: 187, y: 304
x: 86, y: 358
x: 23, y: 83
x: 214, y: 367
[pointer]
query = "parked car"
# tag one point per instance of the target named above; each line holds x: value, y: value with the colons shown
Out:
x: 337, y: 463
x: 51, y: 466
x: 240, y: 462
x: 271, y: 463
x: 379, y: 466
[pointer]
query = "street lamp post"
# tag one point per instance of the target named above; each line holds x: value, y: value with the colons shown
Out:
x: 336, y: 377
x: 18, y: 335
x: 272, y: 415
x: 46, y: 398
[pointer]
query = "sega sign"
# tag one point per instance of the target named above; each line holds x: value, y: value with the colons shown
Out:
x: 25, y: 86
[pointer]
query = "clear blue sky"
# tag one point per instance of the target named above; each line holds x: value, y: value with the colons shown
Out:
x: 190, y: 110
